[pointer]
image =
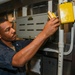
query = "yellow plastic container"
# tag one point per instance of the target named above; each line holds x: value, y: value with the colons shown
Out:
x: 66, y: 12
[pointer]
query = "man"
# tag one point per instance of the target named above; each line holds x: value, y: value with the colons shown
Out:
x: 14, y: 54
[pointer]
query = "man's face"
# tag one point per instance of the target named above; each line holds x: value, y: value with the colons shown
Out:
x: 7, y: 33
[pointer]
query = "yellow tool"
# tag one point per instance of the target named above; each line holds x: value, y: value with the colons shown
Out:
x: 51, y: 15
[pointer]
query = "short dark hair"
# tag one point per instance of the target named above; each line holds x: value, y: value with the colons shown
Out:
x: 2, y: 19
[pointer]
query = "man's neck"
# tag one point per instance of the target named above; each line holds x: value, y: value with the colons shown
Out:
x: 9, y: 44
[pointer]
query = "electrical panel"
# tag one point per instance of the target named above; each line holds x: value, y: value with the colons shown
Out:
x: 30, y: 26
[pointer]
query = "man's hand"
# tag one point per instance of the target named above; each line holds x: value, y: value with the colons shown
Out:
x: 51, y: 26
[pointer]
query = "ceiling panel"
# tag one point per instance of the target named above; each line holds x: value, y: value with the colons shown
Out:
x: 3, y: 1
x: 9, y: 5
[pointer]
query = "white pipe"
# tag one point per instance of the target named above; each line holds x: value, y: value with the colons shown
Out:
x: 71, y: 45
x: 61, y: 50
x: 50, y: 5
x: 24, y: 11
x: 50, y: 50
